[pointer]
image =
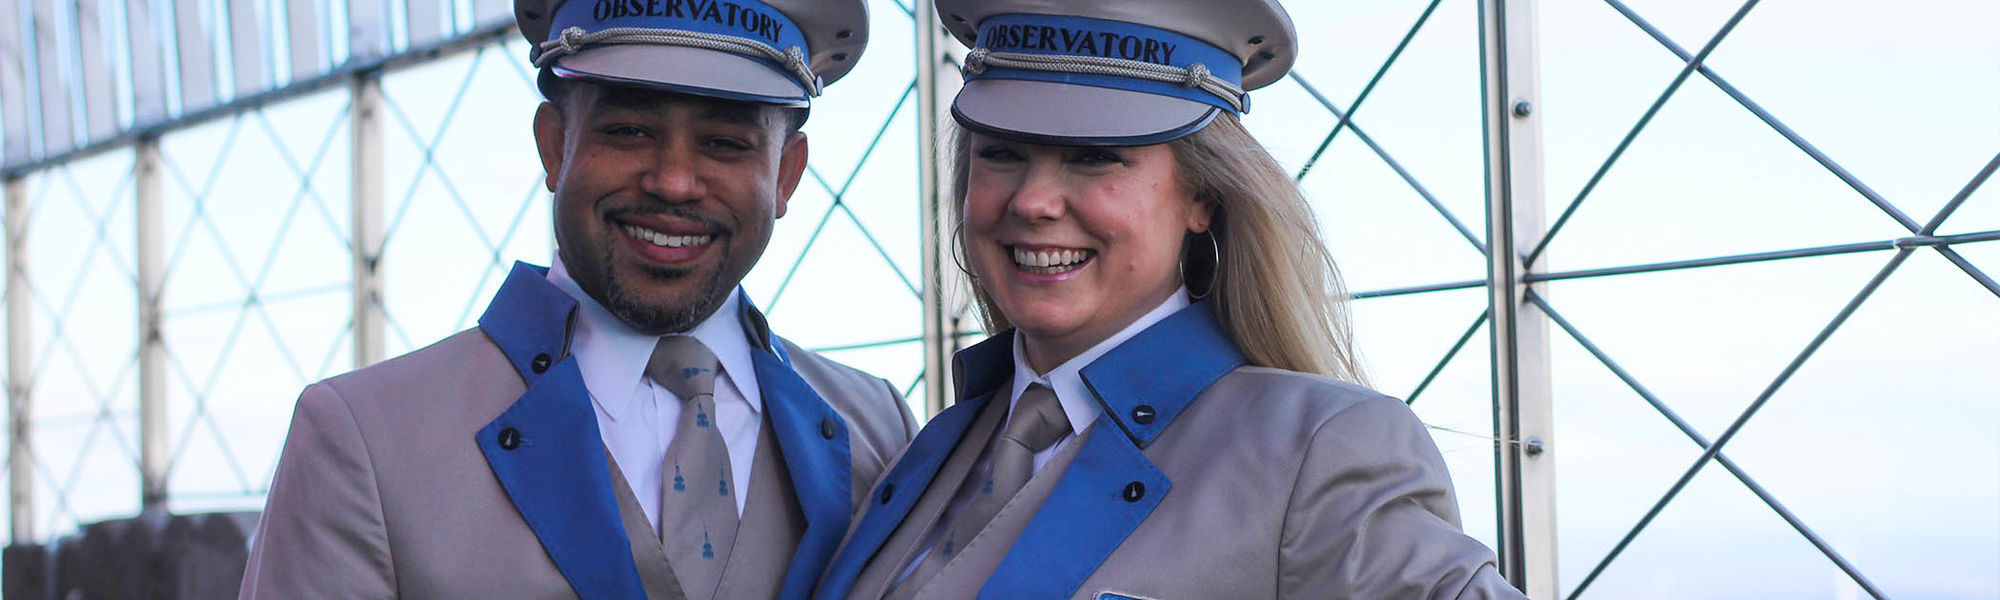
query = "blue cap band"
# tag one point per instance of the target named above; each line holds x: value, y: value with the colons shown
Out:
x: 1052, y: 35
x: 747, y: 19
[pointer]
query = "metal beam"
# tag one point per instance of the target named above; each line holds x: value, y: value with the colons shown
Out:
x: 249, y: 44
x: 149, y: 64
x: 370, y: 323
x: 1523, y: 422
x: 151, y: 249
x: 932, y: 155
x: 58, y: 135
x: 100, y: 102
x: 20, y: 370
x: 14, y: 136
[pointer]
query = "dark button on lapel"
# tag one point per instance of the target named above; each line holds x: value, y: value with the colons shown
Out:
x: 888, y: 491
x: 1134, y: 491
x: 1144, y: 414
x: 540, y: 364
x: 510, y: 438
x: 826, y: 428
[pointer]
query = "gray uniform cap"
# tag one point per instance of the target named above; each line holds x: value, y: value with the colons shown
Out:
x: 769, y: 51
x: 1113, y: 72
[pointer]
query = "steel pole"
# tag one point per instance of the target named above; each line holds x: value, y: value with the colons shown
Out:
x: 20, y: 370
x: 931, y: 197
x: 1523, y: 421
x: 370, y: 322
x: 153, y: 447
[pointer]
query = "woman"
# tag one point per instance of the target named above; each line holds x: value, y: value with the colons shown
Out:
x: 1165, y: 412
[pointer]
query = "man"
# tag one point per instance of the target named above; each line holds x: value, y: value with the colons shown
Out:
x: 622, y: 424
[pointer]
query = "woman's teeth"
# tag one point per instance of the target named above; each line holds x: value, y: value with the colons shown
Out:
x: 670, y: 241
x: 1047, y: 262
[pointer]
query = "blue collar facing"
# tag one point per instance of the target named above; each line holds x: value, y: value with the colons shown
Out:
x: 1143, y: 384
x: 530, y: 320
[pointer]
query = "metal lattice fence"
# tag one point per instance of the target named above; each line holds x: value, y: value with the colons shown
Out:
x: 1767, y: 344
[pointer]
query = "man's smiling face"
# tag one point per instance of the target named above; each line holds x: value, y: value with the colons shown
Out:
x: 664, y: 201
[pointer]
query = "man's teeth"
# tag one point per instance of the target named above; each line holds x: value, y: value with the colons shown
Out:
x: 671, y: 241
x: 1050, y: 259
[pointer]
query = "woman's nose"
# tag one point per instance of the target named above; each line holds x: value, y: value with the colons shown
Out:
x: 1043, y: 194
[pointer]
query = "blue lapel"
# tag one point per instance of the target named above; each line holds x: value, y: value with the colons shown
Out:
x: 546, y: 450
x: 1110, y: 487
x: 897, y: 493
x: 814, y: 441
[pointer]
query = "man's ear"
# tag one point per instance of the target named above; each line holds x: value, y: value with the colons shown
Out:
x: 791, y: 168
x: 549, y: 140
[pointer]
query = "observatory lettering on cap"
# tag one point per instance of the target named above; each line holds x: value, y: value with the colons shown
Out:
x: 1082, y: 42
x: 1067, y: 36
x: 742, y: 18
x: 755, y: 20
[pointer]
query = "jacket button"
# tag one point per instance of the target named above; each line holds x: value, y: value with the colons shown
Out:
x: 510, y: 438
x: 1134, y: 491
x: 1144, y: 414
x: 888, y: 491
x: 826, y: 428
x: 540, y: 364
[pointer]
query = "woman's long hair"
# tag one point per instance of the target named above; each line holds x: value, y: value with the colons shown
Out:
x: 1276, y: 290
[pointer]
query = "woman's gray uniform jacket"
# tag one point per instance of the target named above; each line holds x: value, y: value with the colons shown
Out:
x: 1204, y: 478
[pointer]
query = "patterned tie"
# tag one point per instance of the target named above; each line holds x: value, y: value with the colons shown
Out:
x: 697, y: 503
x: 1036, y: 424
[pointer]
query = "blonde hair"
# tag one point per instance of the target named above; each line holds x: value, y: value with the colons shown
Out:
x: 1277, y: 293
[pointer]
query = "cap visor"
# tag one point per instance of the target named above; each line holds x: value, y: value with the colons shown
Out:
x: 688, y: 70
x: 1066, y: 114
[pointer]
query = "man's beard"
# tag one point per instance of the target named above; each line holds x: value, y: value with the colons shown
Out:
x: 679, y: 316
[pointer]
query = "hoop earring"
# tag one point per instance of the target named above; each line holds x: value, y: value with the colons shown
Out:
x: 958, y: 249
x: 1214, y: 271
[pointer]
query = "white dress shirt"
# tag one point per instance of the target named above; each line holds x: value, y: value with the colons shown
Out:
x: 1067, y: 379
x: 636, y: 417
x: 1078, y: 405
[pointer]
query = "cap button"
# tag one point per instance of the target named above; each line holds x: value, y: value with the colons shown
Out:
x: 510, y: 438
x: 540, y: 364
x: 1144, y: 414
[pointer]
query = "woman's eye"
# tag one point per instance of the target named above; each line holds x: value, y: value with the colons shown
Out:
x: 1097, y: 158
x: 998, y: 154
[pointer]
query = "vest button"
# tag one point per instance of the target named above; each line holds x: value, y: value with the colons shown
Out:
x: 1144, y: 414
x: 826, y: 428
x: 888, y: 491
x: 510, y: 438
x: 540, y: 364
x: 1134, y: 491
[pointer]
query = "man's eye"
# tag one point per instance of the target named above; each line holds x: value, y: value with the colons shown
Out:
x: 727, y: 143
x: 625, y: 131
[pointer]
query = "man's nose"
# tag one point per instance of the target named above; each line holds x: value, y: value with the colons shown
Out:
x: 675, y: 174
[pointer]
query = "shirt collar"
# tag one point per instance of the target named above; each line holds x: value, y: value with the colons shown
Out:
x: 1067, y: 379
x: 613, y: 355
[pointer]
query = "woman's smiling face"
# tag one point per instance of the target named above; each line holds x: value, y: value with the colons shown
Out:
x: 1074, y: 243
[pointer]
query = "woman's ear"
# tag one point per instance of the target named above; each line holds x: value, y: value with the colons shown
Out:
x: 1202, y: 215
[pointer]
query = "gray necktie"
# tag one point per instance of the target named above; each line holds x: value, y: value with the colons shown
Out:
x: 1036, y: 424
x: 697, y: 496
